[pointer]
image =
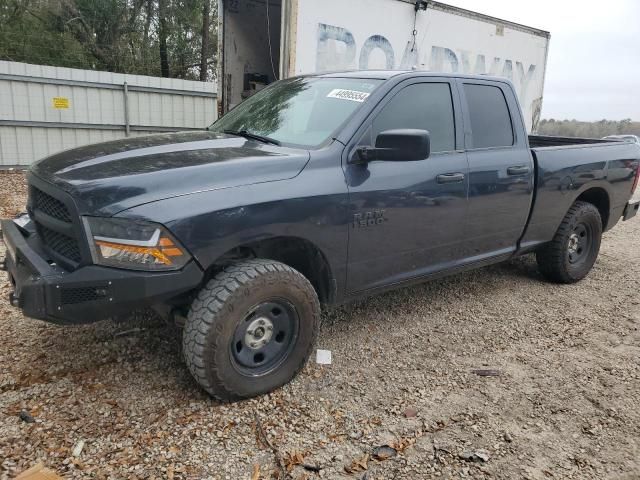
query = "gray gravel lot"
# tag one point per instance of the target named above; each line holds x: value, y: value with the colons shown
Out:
x: 563, y: 405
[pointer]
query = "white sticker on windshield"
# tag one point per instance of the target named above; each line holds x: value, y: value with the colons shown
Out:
x: 352, y: 95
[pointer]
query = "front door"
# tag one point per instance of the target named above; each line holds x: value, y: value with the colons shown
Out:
x: 408, y: 217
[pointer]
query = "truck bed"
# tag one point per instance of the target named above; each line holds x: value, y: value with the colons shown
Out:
x: 541, y: 141
x: 568, y: 167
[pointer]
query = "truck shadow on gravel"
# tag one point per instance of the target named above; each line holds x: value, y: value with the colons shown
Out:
x: 520, y: 267
x: 91, y: 354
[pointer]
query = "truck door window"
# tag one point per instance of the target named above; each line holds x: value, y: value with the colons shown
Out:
x: 425, y: 106
x: 489, y: 114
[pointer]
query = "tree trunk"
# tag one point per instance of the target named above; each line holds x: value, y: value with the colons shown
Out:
x: 162, y: 37
x: 145, y: 39
x: 204, y: 51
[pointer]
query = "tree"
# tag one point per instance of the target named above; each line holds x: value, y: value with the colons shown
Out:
x: 162, y: 37
x: 204, y: 50
x: 174, y: 38
x: 599, y: 129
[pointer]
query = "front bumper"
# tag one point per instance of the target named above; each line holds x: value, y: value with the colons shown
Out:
x: 45, y: 291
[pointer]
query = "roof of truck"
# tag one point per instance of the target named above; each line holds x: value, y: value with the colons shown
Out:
x: 387, y: 74
x: 381, y: 74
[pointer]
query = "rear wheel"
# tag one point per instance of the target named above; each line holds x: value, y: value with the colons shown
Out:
x: 574, y: 249
x: 250, y: 329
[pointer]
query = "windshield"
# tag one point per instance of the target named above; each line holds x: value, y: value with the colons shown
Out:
x: 300, y: 111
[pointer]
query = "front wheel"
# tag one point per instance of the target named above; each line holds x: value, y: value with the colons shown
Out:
x: 250, y: 329
x: 574, y: 249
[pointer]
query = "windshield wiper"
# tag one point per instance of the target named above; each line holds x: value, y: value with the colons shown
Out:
x: 253, y: 136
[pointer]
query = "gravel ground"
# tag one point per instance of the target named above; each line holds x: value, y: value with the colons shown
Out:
x: 563, y: 403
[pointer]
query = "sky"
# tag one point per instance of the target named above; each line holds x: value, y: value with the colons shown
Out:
x: 593, y: 71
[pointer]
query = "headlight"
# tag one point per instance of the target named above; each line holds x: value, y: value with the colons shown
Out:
x: 133, y: 244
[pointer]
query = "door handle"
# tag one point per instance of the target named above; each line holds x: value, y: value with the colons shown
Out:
x: 518, y: 170
x: 450, y: 178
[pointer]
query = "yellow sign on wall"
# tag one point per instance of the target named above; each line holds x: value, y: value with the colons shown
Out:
x: 60, y: 102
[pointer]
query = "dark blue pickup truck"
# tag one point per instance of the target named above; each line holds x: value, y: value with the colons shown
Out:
x: 317, y: 190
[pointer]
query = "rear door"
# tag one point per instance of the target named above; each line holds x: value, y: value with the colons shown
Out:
x: 501, y: 170
x: 408, y: 217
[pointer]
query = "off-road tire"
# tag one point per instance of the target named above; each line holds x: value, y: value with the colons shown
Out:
x: 221, y: 305
x: 553, y: 258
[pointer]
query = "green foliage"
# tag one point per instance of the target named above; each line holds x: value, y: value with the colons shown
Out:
x: 574, y: 128
x: 115, y: 35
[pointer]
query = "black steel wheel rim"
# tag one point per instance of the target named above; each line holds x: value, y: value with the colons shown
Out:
x: 580, y: 244
x: 265, y: 337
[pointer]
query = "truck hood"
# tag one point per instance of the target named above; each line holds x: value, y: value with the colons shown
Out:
x: 107, y: 178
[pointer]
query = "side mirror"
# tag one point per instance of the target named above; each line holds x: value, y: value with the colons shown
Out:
x: 398, y: 146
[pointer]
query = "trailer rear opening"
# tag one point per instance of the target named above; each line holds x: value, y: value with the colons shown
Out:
x: 250, y: 48
x: 260, y: 42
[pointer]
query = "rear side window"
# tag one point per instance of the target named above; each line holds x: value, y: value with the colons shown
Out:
x: 424, y: 106
x: 490, y: 119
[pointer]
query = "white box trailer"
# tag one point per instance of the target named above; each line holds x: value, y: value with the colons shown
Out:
x: 261, y: 41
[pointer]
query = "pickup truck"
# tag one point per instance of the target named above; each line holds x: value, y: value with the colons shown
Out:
x: 315, y: 191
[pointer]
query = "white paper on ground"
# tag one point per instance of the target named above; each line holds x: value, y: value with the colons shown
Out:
x: 323, y: 357
x: 77, y: 450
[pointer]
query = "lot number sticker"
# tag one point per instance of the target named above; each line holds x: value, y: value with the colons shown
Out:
x: 352, y: 95
x: 60, y: 103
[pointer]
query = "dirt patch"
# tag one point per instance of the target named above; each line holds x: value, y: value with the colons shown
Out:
x: 13, y: 193
x: 560, y: 399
